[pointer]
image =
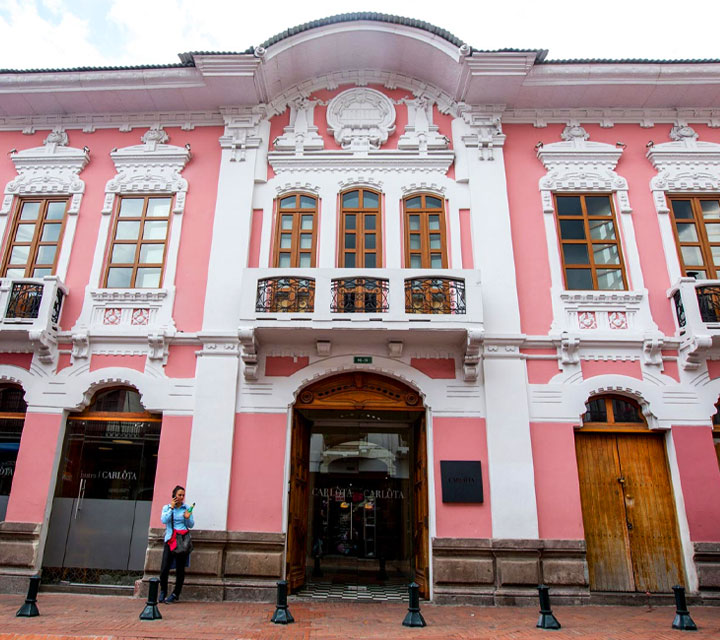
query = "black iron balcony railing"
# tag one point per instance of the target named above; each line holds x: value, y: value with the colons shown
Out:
x: 359, y: 295
x: 435, y: 295
x: 285, y: 295
x: 25, y: 299
x: 709, y: 303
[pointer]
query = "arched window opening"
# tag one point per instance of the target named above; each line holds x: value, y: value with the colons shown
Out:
x: 12, y: 419
x: 296, y: 231
x: 425, y: 241
x: 613, y: 412
x: 360, y: 229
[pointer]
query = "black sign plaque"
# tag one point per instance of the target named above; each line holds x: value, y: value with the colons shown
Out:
x: 461, y: 481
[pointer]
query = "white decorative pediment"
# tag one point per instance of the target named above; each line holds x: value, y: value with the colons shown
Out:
x: 52, y: 169
x: 301, y: 134
x: 684, y: 165
x: 151, y: 167
x: 577, y: 164
x: 361, y: 119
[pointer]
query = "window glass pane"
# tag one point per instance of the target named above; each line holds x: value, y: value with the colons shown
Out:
x: 688, y: 232
x: 159, y: 207
x: 20, y: 255
x: 575, y: 254
x: 433, y: 203
x: 123, y: 254
x: 682, y: 209
x: 288, y: 203
x: 349, y: 260
x: 596, y: 410
x: 415, y: 261
x: 435, y: 242
x: 713, y: 231
x: 598, y: 205
x: 148, y: 278
x: 572, y: 229
x: 51, y: 232
x: 436, y: 261
x: 610, y: 279
x: 601, y: 229
x: 579, y: 279
x: 710, y: 208
x: 155, y: 230
x: 307, y: 202
x: 307, y: 223
x: 284, y: 260
x: 413, y: 203
x: 569, y: 206
x: 350, y: 221
x: 434, y: 222
x: 15, y: 273
x: 304, y: 259
x: 370, y: 222
x: 131, y: 207
x: 30, y: 211
x: 285, y: 240
x: 692, y: 256
x: 287, y: 222
x: 370, y: 260
x: 415, y: 241
x: 151, y: 253
x: 606, y: 254
x: 41, y: 272
x: 370, y: 200
x: 349, y: 240
x: 119, y: 277
x: 306, y: 241
x: 715, y: 255
x: 370, y: 241
x: 55, y: 211
x: 414, y: 223
x: 625, y: 411
x: 25, y: 233
x: 46, y: 254
x: 351, y: 199
x: 127, y: 230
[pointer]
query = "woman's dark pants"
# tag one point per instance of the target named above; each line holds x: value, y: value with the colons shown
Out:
x: 180, y: 562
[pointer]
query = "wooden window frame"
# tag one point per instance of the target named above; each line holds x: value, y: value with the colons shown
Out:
x: 424, y: 212
x: 297, y: 212
x: 588, y: 242
x: 136, y: 264
x: 36, y: 242
x: 611, y: 425
x: 711, y: 271
x: 360, y: 212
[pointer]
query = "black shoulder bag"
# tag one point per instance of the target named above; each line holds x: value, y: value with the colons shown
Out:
x: 183, y: 541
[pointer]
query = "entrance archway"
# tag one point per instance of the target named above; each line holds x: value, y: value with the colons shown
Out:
x: 358, y: 506
x: 628, y: 508
x: 98, y: 529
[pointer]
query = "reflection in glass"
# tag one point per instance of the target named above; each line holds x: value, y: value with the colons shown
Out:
x: 610, y: 279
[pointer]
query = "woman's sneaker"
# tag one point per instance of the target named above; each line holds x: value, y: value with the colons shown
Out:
x: 171, y: 598
x: 161, y: 597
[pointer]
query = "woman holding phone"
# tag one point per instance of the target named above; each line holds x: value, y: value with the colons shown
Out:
x: 178, y: 519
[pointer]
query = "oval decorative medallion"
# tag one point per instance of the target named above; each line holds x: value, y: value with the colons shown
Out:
x: 361, y: 119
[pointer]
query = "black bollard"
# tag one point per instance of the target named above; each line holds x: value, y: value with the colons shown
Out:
x: 282, y: 614
x: 414, y: 617
x: 151, y: 611
x: 682, y: 621
x: 546, y: 620
x: 29, y: 609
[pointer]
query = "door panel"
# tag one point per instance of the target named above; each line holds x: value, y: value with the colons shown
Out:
x: 603, y: 511
x: 650, y: 508
x: 3, y: 507
x: 420, y: 512
x: 139, y: 539
x: 62, y: 511
x: 298, y: 507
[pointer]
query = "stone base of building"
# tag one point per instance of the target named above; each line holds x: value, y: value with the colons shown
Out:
x: 19, y: 555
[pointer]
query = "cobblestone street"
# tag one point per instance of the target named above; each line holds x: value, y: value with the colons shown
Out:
x: 70, y: 617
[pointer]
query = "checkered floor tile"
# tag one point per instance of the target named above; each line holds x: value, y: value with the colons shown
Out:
x: 395, y: 591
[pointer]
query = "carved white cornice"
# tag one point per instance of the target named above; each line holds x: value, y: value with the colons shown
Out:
x: 151, y: 167
x: 372, y: 162
x: 684, y: 165
x: 52, y: 169
x: 609, y: 117
x: 241, y: 130
x: 577, y: 164
x: 485, y: 124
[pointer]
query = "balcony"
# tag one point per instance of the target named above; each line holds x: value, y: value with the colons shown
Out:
x: 697, y: 310
x: 346, y: 297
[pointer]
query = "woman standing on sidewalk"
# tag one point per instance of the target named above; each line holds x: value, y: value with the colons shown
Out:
x: 177, y: 518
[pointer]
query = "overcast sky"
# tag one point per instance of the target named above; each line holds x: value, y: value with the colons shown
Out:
x: 66, y: 33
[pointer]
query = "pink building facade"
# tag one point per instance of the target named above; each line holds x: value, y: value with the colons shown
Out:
x: 388, y: 306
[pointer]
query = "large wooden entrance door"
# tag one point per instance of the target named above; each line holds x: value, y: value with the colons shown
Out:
x: 628, y: 512
x: 420, y: 511
x: 298, y: 508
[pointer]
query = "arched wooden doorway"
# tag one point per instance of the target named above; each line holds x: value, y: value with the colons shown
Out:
x: 365, y: 423
x: 12, y: 419
x: 627, y: 499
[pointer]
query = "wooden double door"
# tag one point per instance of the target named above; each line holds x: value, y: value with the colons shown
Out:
x: 628, y: 512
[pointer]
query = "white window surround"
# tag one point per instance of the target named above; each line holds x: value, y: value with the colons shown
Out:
x: 50, y: 170
x: 578, y: 165
x: 685, y: 166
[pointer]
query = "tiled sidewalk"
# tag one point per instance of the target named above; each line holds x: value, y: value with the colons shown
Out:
x: 69, y: 617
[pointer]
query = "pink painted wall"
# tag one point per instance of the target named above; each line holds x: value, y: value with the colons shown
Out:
x: 557, y: 487
x: 713, y: 369
x: 257, y: 481
x: 284, y: 365
x: 461, y: 439
x: 255, y: 239
x: 591, y: 368
x: 181, y: 361
x: 172, y: 462
x: 466, y: 246
x: 700, y: 481
x: 541, y: 371
x: 99, y: 361
x: 436, y: 368
x: 35, y: 470
x: 670, y: 368
x: 22, y: 360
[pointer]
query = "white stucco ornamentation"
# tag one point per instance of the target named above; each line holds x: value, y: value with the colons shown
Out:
x: 361, y: 119
x: 52, y: 169
x: 420, y: 132
x: 301, y: 134
x: 486, y: 129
